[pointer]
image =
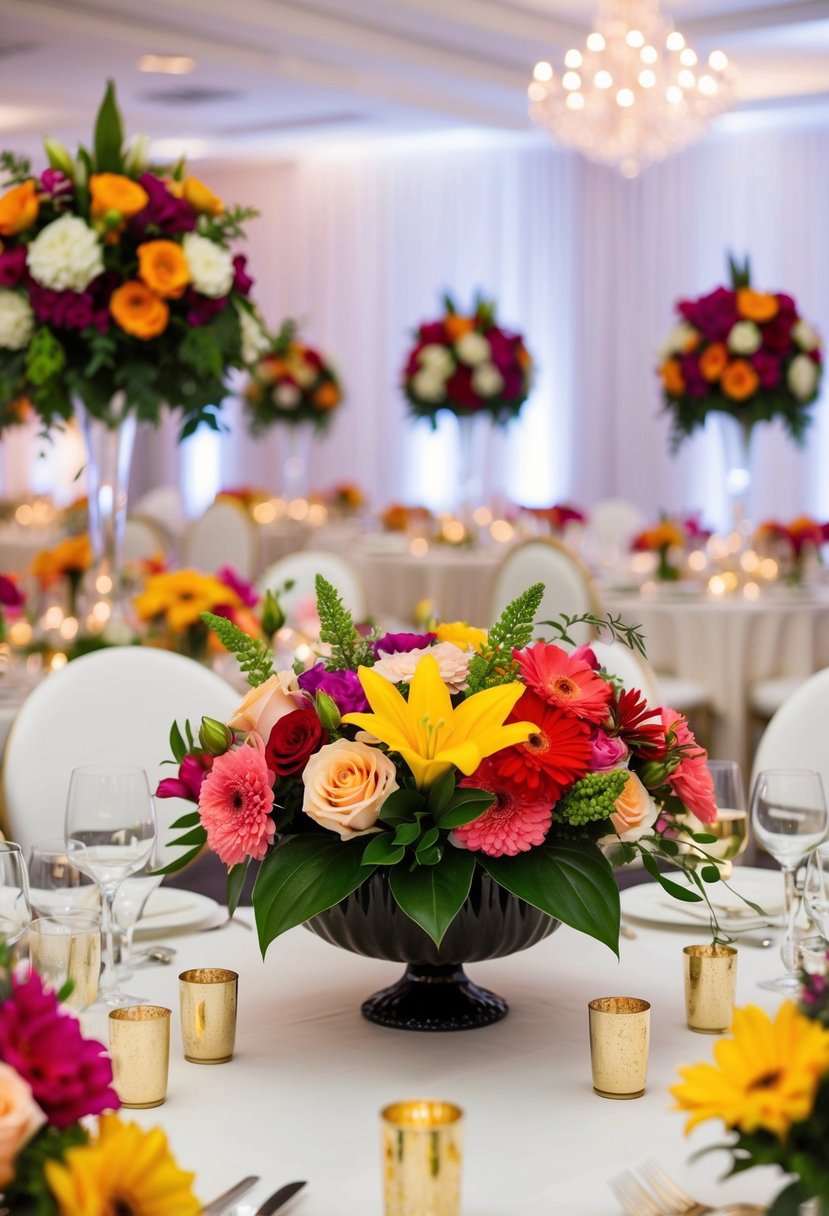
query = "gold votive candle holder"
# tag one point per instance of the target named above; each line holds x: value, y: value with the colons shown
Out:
x: 422, y: 1153
x: 710, y: 987
x: 208, y: 1014
x: 139, y: 1044
x: 68, y: 947
x: 619, y: 1045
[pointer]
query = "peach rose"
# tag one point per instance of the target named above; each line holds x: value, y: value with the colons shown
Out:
x: 346, y: 785
x: 19, y: 208
x: 20, y: 1119
x: 635, y: 813
x: 264, y: 706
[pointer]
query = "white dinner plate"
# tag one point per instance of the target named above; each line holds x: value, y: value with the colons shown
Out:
x: 652, y: 905
x: 168, y: 909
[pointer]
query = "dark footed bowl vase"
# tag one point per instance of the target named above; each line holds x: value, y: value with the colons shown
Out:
x: 434, y: 993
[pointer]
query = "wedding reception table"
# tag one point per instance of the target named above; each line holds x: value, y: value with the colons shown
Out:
x: 458, y: 582
x: 300, y: 1099
x: 729, y: 643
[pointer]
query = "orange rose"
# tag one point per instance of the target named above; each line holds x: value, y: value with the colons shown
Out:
x: 756, y: 305
x: 18, y: 208
x: 713, y: 361
x: 672, y: 377
x: 163, y: 267
x: 138, y: 310
x: 739, y: 381
x: 114, y: 192
x: 456, y: 326
x: 327, y: 396
x: 201, y: 197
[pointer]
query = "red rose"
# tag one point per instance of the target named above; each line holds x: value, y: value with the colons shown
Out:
x: 292, y: 740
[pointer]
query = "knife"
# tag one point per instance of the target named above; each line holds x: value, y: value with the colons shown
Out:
x: 278, y: 1198
x: 223, y: 1202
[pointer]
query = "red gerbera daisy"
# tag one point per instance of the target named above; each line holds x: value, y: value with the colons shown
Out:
x: 517, y: 820
x: 554, y: 756
x: 630, y: 715
x: 563, y: 680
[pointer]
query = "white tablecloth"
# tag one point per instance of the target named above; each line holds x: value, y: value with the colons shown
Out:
x: 20, y: 545
x: 301, y: 1097
x: 727, y: 644
x: 458, y: 582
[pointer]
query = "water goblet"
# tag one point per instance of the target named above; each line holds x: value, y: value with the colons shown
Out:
x: 110, y: 832
x: 789, y: 819
x: 56, y: 886
x: 816, y: 890
x: 129, y: 904
x: 15, y: 908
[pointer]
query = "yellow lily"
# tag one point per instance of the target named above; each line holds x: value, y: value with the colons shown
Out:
x: 428, y: 732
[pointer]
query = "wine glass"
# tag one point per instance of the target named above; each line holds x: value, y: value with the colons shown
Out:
x: 816, y: 891
x: 129, y: 904
x: 15, y: 908
x: 789, y: 819
x: 56, y: 886
x: 731, y: 826
x: 110, y: 832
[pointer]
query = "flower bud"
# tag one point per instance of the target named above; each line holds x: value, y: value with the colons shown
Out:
x: 327, y: 711
x: 112, y: 219
x: 214, y: 736
x: 273, y: 617
x: 653, y: 773
x: 137, y: 157
x: 59, y: 157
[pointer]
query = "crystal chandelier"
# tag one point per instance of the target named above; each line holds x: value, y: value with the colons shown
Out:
x: 636, y: 93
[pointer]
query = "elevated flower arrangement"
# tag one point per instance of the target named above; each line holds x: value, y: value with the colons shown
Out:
x: 292, y: 383
x: 468, y: 365
x: 171, y: 605
x: 796, y: 542
x: 741, y: 352
x: 428, y: 762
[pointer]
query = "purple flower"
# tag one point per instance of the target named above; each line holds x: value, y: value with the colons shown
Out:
x: 191, y: 772
x: 242, y: 281
x: 57, y: 184
x: 606, y: 751
x: 695, y: 384
x: 713, y: 315
x: 343, y: 687
x: 164, y: 210
x: 777, y: 333
x: 767, y: 367
x: 402, y: 643
x: 10, y: 594
x: 202, y: 309
x: 12, y: 266
x: 235, y: 582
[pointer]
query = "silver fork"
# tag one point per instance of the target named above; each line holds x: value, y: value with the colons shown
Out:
x: 656, y: 1194
x: 633, y: 1197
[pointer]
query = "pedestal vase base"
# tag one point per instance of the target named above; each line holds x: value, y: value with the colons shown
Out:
x: 434, y: 999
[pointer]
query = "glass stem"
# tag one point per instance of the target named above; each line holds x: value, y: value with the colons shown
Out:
x: 109, y: 981
x: 126, y: 966
x: 790, y: 903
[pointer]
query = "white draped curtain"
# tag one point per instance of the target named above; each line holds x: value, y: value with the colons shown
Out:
x: 360, y: 244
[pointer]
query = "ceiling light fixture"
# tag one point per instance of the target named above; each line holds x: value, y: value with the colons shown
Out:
x: 634, y: 99
x: 168, y: 65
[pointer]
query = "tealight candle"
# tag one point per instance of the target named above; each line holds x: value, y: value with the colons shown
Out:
x: 422, y: 1150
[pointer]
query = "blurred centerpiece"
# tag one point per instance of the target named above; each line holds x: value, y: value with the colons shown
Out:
x: 119, y: 295
x: 295, y: 387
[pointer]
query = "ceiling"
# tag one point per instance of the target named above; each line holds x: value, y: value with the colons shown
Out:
x: 273, y: 76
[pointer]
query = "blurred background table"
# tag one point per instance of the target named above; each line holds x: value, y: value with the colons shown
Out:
x: 458, y: 582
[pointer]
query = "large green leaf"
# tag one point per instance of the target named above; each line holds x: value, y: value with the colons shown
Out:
x: 235, y: 882
x: 432, y: 895
x: 109, y: 135
x: 570, y: 880
x: 303, y: 876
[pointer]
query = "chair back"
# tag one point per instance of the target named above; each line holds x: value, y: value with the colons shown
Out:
x: 225, y: 535
x: 113, y: 706
x: 628, y: 666
x: 302, y: 568
x: 144, y: 538
x: 567, y: 584
x: 164, y: 505
x: 796, y: 735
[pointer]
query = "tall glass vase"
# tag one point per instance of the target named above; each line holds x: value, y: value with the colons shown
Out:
x: 736, y: 439
x: 473, y: 442
x: 296, y: 442
x: 109, y: 447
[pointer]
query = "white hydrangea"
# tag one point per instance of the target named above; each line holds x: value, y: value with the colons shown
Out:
x: 286, y: 396
x: 16, y: 320
x: 802, y: 377
x: 487, y: 380
x: 805, y: 335
x: 254, y: 339
x: 66, y: 255
x: 744, y: 338
x: 679, y: 340
x: 473, y: 348
x: 429, y: 385
x: 437, y: 358
x: 211, y: 266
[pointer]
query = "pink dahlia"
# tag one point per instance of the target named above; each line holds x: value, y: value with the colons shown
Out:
x: 691, y: 779
x: 69, y: 1076
x: 235, y: 804
x: 567, y: 681
x: 518, y: 819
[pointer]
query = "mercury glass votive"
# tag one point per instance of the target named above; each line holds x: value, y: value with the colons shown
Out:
x: 139, y: 1043
x: 710, y: 987
x: 208, y: 1014
x: 68, y: 947
x: 422, y: 1151
x: 619, y: 1045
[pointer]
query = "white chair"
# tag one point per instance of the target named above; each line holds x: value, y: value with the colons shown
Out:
x: 144, y: 538
x: 796, y: 735
x: 567, y: 585
x: 615, y: 521
x: 767, y: 696
x: 628, y: 666
x: 224, y: 536
x: 115, y: 706
x: 302, y: 568
x: 164, y: 505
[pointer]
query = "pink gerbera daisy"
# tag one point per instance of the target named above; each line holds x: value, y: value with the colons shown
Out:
x: 564, y: 680
x: 235, y: 804
x: 518, y: 819
x: 691, y: 779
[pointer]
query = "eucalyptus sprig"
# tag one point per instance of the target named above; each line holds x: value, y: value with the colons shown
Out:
x: 513, y: 630
x: 254, y: 658
x: 631, y: 635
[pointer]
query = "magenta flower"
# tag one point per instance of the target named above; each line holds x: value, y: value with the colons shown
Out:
x: 164, y: 210
x: 242, y: 281
x: 202, y: 309
x: 235, y: 804
x: 402, y: 643
x: 10, y: 594
x: 343, y: 687
x: 69, y: 1076
x: 191, y: 773
x: 606, y: 751
x: 12, y: 266
x: 241, y: 586
x: 57, y: 185
x: 713, y: 315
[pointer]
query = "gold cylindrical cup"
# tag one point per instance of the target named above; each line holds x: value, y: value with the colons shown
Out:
x: 422, y: 1150
x: 710, y: 987
x: 68, y: 947
x: 208, y: 1014
x: 139, y: 1043
x: 619, y: 1044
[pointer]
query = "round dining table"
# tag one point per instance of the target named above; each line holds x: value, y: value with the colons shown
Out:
x: 301, y: 1096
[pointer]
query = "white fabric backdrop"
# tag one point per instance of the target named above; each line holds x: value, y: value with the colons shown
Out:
x: 360, y: 244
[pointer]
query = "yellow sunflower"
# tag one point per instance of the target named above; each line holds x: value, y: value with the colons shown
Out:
x: 125, y: 1171
x: 765, y: 1076
x: 181, y: 596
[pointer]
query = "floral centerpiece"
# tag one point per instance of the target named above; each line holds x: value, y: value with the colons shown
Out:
x: 769, y: 1086
x: 796, y: 542
x: 66, y: 562
x: 344, y: 498
x: 741, y: 352
x: 61, y: 1153
x: 430, y: 762
x: 172, y: 603
x: 468, y: 365
x: 556, y: 517
x: 666, y: 539
x: 400, y: 517
x: 292, y: 383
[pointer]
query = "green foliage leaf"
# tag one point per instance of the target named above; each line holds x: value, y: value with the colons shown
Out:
x: 200, y: 350
x: 513, y: 630
x: 28, y: 1193
x: 45, y: 357
x: 440, y: 793
x: 109, y: 134
x: 180, y: 862
x: 467, y: 806
x: 401, y: 806
x: 432, y: 897
x: 177, y: 745
x: 571, y: 880
x: 236, y: 876
x: 788, y: 1202
x: 384, y: 850
x: 349, y: 650
x: 186, y: 821
x: 672, y: 888
x: 303, y: 876
x: 406, y: 833
x: 253, y: 657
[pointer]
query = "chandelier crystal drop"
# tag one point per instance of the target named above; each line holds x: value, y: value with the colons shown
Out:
x: 635, y: 94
